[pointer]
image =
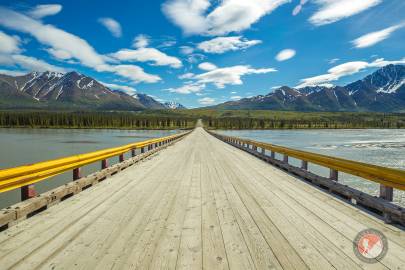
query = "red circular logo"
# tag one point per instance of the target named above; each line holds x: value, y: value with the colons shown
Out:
x: 370, y: 245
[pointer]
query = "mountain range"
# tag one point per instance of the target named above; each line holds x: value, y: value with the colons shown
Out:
x: 381, y: 91
x: 70, y: 91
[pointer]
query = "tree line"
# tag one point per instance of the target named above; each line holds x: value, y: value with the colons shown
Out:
x: 320, y: 123
x: 93, y: 120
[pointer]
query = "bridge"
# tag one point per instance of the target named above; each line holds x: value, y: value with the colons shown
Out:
x: 198, y: 200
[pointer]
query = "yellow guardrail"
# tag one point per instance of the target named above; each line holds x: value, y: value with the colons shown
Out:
x: 25, y: 175
x: 389, y: 177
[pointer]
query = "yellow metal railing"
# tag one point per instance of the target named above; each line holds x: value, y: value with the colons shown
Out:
x: 26, y: 175
x: 388, y: 177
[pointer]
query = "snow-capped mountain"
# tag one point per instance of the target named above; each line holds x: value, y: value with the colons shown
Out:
x: 173, y: 105
x: 383, y: 90
x: 68, y: 91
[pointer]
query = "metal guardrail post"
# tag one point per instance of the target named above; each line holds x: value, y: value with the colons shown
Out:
x: 273, y: 155
x: 142, y: 150
x: 386, y: 193
x: 285, y: 158
x: 77, y: 173
x: 133, y: 153
x: 333, y: 175
x: 104, y: 164
x: 27, y: 192
x: 304, y: 165
x: 121, y: 158
x: 263, y: 151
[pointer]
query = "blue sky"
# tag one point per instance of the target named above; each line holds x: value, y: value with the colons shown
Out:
x: 202, y: 52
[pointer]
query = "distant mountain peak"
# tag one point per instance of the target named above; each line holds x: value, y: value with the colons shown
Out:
x: 70, y: 90
x: 383, y: 90
x: 173, y: 105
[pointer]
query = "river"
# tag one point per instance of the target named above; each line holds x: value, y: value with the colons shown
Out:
x: 385, y: 147
x: 25, y: 146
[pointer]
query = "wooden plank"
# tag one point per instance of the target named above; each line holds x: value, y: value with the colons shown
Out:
x: 190, y: 250
x: 214, y: 254
x: 236, y: 249
x: 167, y: 248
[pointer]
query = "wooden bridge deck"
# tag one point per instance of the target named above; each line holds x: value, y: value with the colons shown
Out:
x: 198, y: 204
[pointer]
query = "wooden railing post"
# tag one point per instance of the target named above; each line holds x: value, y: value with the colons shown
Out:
x: 304, y: 165
x: 27, y: 192
x: 104, y: 164
x: 77, y: 173
x: 333, y: 175
x: 386, y: 193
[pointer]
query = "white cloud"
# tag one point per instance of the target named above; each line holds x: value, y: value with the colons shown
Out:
x: 206, y: 101
x: 285, y: 55
x: 186, y: 76
x: 51, y: 36
x: 65, y: 44
x: 236, y: 97
x: 141, y: 41
x: 233, y: 92
x: 345, y: 69
x: 380, y: 62
x: 334, y: 60
x: 132, y: 72
x: 12, y: 72
x: 112, y: 25
x: 207, y: 66
x: 59, y: 54
x: 195, y: 58
x: 188, y: 88
x: 29, y: 63
x: 124, y: 88
x: 373, y: 38
x: 331, y: 11
x: 41, y: 11
x: 298, y: 8
x: 147, y: 55
x: 9, y: 44
x: 186, y: 50
x: 224, y: 44
x: 199, y: 17
x: 229, y: 75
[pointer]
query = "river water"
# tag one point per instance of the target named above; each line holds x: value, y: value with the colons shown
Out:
x: 25, y: 146
x: 385, y: 147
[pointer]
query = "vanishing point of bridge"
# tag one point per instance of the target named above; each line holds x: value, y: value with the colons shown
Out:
x: 199, y: 203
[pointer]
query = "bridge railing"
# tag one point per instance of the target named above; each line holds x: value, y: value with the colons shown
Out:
x: 388, y: 178
x: 25, y: 176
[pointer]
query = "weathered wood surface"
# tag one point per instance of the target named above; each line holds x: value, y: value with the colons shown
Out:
x: 199, y: 204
